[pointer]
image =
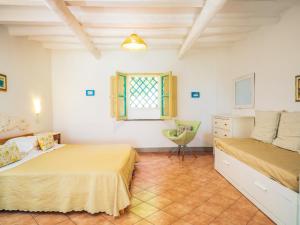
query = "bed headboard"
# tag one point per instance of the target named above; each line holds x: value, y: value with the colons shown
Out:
x: 2, y: 141
x: 11, y: 123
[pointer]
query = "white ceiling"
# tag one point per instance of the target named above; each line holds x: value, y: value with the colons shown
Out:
x: 162, y: 23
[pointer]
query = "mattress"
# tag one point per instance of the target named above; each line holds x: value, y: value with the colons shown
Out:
x: 277, y: 163
x: 93, y: 178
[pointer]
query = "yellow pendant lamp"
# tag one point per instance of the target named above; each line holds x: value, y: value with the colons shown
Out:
x: 134, y: 42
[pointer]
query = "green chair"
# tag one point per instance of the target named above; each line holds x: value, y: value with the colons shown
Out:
x: 184, y: 138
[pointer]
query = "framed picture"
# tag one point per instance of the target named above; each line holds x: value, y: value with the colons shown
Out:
x: 297, y: 88
x: 3, y: 83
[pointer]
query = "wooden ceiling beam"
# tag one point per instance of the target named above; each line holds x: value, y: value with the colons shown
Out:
x: 209, y: 11
x: 59, y: 7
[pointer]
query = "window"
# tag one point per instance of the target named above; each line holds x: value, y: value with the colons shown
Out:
x: 143, y: 96
x: 143, y: 92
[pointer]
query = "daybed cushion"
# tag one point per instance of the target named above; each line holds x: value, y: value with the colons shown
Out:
x: 289, y: 131
x: 94, y: 178
x: 274, y: 162
x: 266, y: 124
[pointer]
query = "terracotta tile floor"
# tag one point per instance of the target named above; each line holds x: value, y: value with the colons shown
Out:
x: 165, y: 191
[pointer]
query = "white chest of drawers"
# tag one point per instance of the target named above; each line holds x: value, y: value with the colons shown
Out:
x: 227, y: 126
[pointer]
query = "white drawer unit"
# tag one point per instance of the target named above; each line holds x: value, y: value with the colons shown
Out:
x: 275, y: 200
x: 219, y: 132
x: 227, y: 126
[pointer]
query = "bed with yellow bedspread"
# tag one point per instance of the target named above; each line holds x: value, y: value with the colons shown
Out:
x: 93, y: 178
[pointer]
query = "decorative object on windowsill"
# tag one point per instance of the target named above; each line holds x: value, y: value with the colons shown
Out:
x: 297, y: 88
x: 244, y: 92
x: 89, y: 92
x: 134, y: 42
x: 3, y: 82
x: 195, y: 94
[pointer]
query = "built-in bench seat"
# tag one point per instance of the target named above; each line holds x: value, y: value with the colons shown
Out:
x: 266, y: 174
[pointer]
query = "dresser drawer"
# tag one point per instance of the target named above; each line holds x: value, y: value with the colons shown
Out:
x: 218, y: 132
x: 223, y: 123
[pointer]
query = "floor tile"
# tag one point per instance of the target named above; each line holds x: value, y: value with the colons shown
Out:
x: 161, y: 218
x: 16, y: 218
x: 87, y: 219
x: 143, y: 222
x: 191, y: 202
x: 181, y: 222
x: 134, y: 202
x: 177, y: 209
x: 144, y: 195
x: 260, y: 219
x: 50, y: 218
x: 159, y: 202
x: 212, y: 209
x: 143, y: 210
x: 231, y: 192
x: 173, y: 195
x: 198, y: 219
x: 126, y: 219
x: 68, y: 222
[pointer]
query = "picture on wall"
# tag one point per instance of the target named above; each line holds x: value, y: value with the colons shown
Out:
x: 297, y: 88
x: 3, y: 82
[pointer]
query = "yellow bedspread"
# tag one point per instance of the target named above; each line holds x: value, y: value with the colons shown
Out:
x: 94, y: 178
x: 277, y: 163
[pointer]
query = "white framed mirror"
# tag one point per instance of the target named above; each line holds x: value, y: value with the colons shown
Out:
x: 244, y: 92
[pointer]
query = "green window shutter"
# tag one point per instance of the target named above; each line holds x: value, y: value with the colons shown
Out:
x: 121, y: 106
x: 165, y: 96
x: 168, y: 96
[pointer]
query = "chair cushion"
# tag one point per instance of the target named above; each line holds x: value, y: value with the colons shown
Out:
x: 289, y: 131
x: 182, y: 128
x: 266, y: 125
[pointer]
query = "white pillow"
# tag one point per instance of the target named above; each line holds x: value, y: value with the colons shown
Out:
x: 25, y: 144
x: 289, y: 131
x: 266, y: 125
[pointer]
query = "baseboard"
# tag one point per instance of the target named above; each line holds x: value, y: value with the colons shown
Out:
x: 167, y: 149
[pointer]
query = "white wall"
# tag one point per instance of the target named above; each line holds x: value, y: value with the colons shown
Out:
x: 273, y: 53
x: 84, y: 119
x: 27, y: 66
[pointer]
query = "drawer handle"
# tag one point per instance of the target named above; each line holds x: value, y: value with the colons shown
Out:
x: 226, y: 162
x: 225, y: 124
x: 260, y: 186
x: 225, y: 135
